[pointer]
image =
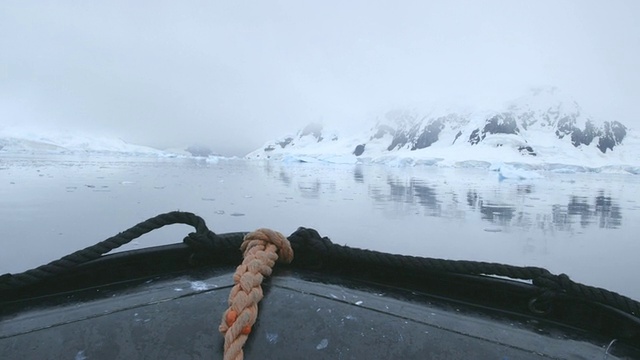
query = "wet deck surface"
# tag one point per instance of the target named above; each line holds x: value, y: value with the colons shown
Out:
x: 301, y: 316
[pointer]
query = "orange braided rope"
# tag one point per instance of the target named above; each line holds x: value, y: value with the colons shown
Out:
x: 262, y: 248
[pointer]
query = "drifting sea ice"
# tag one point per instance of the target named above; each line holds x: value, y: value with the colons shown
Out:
x: 517, y: 172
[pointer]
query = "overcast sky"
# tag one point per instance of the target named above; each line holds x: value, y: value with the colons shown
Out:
x: 234, y: 74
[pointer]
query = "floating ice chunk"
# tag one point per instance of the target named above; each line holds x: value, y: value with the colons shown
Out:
x: 396, y: 161
x: 339, y: 159
x: 473, y: 164
x: 428, y: 161
x: 516, y: 173
x: 323, y: 344
x: 565, y: 168
x: 212, y: 159
x: 298, y: 159
x: 614, y: 170
x: 635, y: 170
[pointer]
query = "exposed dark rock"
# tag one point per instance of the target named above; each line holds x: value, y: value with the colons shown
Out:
x: 476, y: 137
x: 359, y: 150
x: 399, y: 140
x: 285, y: 142
x: 612, y: 134
x: 565, y: 126
x: 503, y: 123
x: 406, y: 126
x: 429, y: 135
x: 411, y: 132
x: 584, y: 137
x: 527, y: 150
x: 619, y: 131
x: 457, y: 136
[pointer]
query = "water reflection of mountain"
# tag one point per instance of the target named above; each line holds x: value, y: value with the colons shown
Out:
x: 310, y: 189
x: 602, y: 210
x: 501, y: 204
x: 358, y: 175
x: 414, y: 192
x: 501, y: 214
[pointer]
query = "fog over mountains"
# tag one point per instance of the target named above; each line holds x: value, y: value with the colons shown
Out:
x: 543, y: 127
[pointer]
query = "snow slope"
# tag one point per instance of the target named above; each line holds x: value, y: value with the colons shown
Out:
x: 31, y: 141
x: 24, y: 140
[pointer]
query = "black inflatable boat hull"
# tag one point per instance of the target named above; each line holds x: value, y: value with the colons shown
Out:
x: 156, y: 304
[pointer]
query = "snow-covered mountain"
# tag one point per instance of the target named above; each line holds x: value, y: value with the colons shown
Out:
x: 21, y: 140
x: 543, y: 129
x: 52, y: 143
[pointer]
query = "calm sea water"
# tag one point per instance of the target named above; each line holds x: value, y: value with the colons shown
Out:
x: 584, y: 225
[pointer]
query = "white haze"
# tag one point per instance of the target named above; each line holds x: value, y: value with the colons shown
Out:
x: 233, y: 75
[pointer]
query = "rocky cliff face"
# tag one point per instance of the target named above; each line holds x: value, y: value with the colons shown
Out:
x: 542, y: 110
x: 609, y: 134
x: 413, y: 132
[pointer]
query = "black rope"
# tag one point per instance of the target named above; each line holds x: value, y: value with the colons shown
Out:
x: 314, y: 251
x: 313, y: 248
x: 68, y: 262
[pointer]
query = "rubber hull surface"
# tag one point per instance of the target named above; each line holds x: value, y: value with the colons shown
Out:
x: 175, y: 314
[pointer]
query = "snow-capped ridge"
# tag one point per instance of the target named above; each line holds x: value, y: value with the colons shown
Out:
x: 544, y: 126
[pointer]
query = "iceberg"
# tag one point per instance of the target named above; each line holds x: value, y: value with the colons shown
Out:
x: 517, y: 172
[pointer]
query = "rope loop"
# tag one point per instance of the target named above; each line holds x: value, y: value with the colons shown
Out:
x: 262, y: 237
x: 312, y: 250
x: 71, y: 261
x: 261, y: 248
